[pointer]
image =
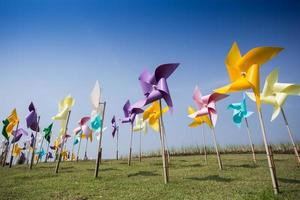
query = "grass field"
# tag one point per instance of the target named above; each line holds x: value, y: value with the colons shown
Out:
x: 190, y: 178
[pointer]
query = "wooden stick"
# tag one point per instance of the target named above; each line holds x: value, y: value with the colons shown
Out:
x: 11, y: 153
x: 40, y: 150
x: 46, y: 159
x: 250, y: 140
x: 99, y: 157
x: 130, y: 146
x: 140, y: 143
x: 85, y: 151
x: 216, y: 148
x: 117, y: 153
x: 163, y: 147
x: 34, y: 143
x: 63, y: 142
x: 204, y: 145
x: 271, y: 167
x: 5, y: 153
x: 77, y: 158
x: 291, y: 136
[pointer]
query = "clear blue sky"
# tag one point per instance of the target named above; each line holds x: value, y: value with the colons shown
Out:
x: 49, y: 49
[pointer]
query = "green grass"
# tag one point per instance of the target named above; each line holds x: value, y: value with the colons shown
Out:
x: 190, y: 178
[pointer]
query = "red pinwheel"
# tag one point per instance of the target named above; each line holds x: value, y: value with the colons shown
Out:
x: 32, y: 119
x: 155, y: 85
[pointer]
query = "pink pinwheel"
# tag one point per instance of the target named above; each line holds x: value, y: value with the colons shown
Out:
x: 130, y: 111
x: 155, y: 85
x: 207, y: 104
x: 32, y: 119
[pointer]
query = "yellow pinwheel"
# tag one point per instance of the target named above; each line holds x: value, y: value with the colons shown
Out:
x: 64, y: 154
x: 64, y: 106
x: 275, y: 93
x: 197, y: 121
x: 244, y: 70
x: 152, y: 114
x: 16, y: 150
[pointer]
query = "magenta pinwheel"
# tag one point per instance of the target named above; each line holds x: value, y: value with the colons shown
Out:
x: 32, y: 119
x: 155, y: 85
x: 207, y: 104
x: 130, y: 111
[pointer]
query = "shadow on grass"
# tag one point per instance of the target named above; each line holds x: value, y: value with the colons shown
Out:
x: 248, y: 166
x: 287, y: 180
x: 104, y: 169
x: 195, y: 165
x: 211, y: 178
x: 143, y: 173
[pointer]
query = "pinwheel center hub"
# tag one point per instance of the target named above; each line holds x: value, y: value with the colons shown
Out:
x: 154, y: 87
x: 243, y: 74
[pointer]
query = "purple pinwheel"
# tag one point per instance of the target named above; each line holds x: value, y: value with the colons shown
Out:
x: 114, y: 126
x: 18, y: 134
x: 32, y: 140
x: 155, y: 85
x: 130, y: 111
x: 31, y: 119
x: 49, y: 155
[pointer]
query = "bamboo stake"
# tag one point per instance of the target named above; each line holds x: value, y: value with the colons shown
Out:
x: 5, y: 153
x: 99, y: 157
x: 130, y: 147
x: 140, y: 143
x: 250, y: 140
x: 216, y: 148
x: 117, y: 153
x: 46, y: 159
x: 34, y: 143
x: 271, y: 167
x: 40, y: 150
x: 163, y: 147
x: 63, y: 142
x: 11, y: 153
x: 77, y: 158
x: 85, y: 151
x: 204, y: 145
x: 291, y: 136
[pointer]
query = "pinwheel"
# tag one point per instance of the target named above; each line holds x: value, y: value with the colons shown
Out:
x: 155, y: 88
x: 40, y: 153
x: 87, y: 134
x: 16, y: 150
x: 275, y: 94
x: 207, y: 106
x: 49, y: 155
x: 197, y: 121
x: 32, y: 119
x: 97, y: 120
x: 115, y: 130
x: 155, y: 85
x: 47, y: 134
x: 152, y: 114
x: 18, y: 133
x: 64, y: 155
x: 81, y: 132
x: 63, y: 115
x: 244, y: 74
x: 130, y: 112
x: 140, y: 125
x: 77, y: 131
x: 240, y: 112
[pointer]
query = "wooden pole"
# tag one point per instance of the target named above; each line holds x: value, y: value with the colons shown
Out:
x: 46, y: 159
x: 100, y: 143
x: 291, y: 136
x: 77, y: 158
x: 72, y: 151
x: 34, y: 143
x: 271, y: 167
x: 163, y: 147
x: 250, y: 140
x: 117, y: 153
x: 63, y: 142
x: 140, y: 143
x: 5, y: 153
x: 11, y: 153
x: 85, y: 151
x: 40, y: 150
x: 204, y: 145
x: 130, y: 146
x: 216, y: 148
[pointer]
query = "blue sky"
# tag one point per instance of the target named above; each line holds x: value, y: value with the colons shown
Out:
x: 49, y: 49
